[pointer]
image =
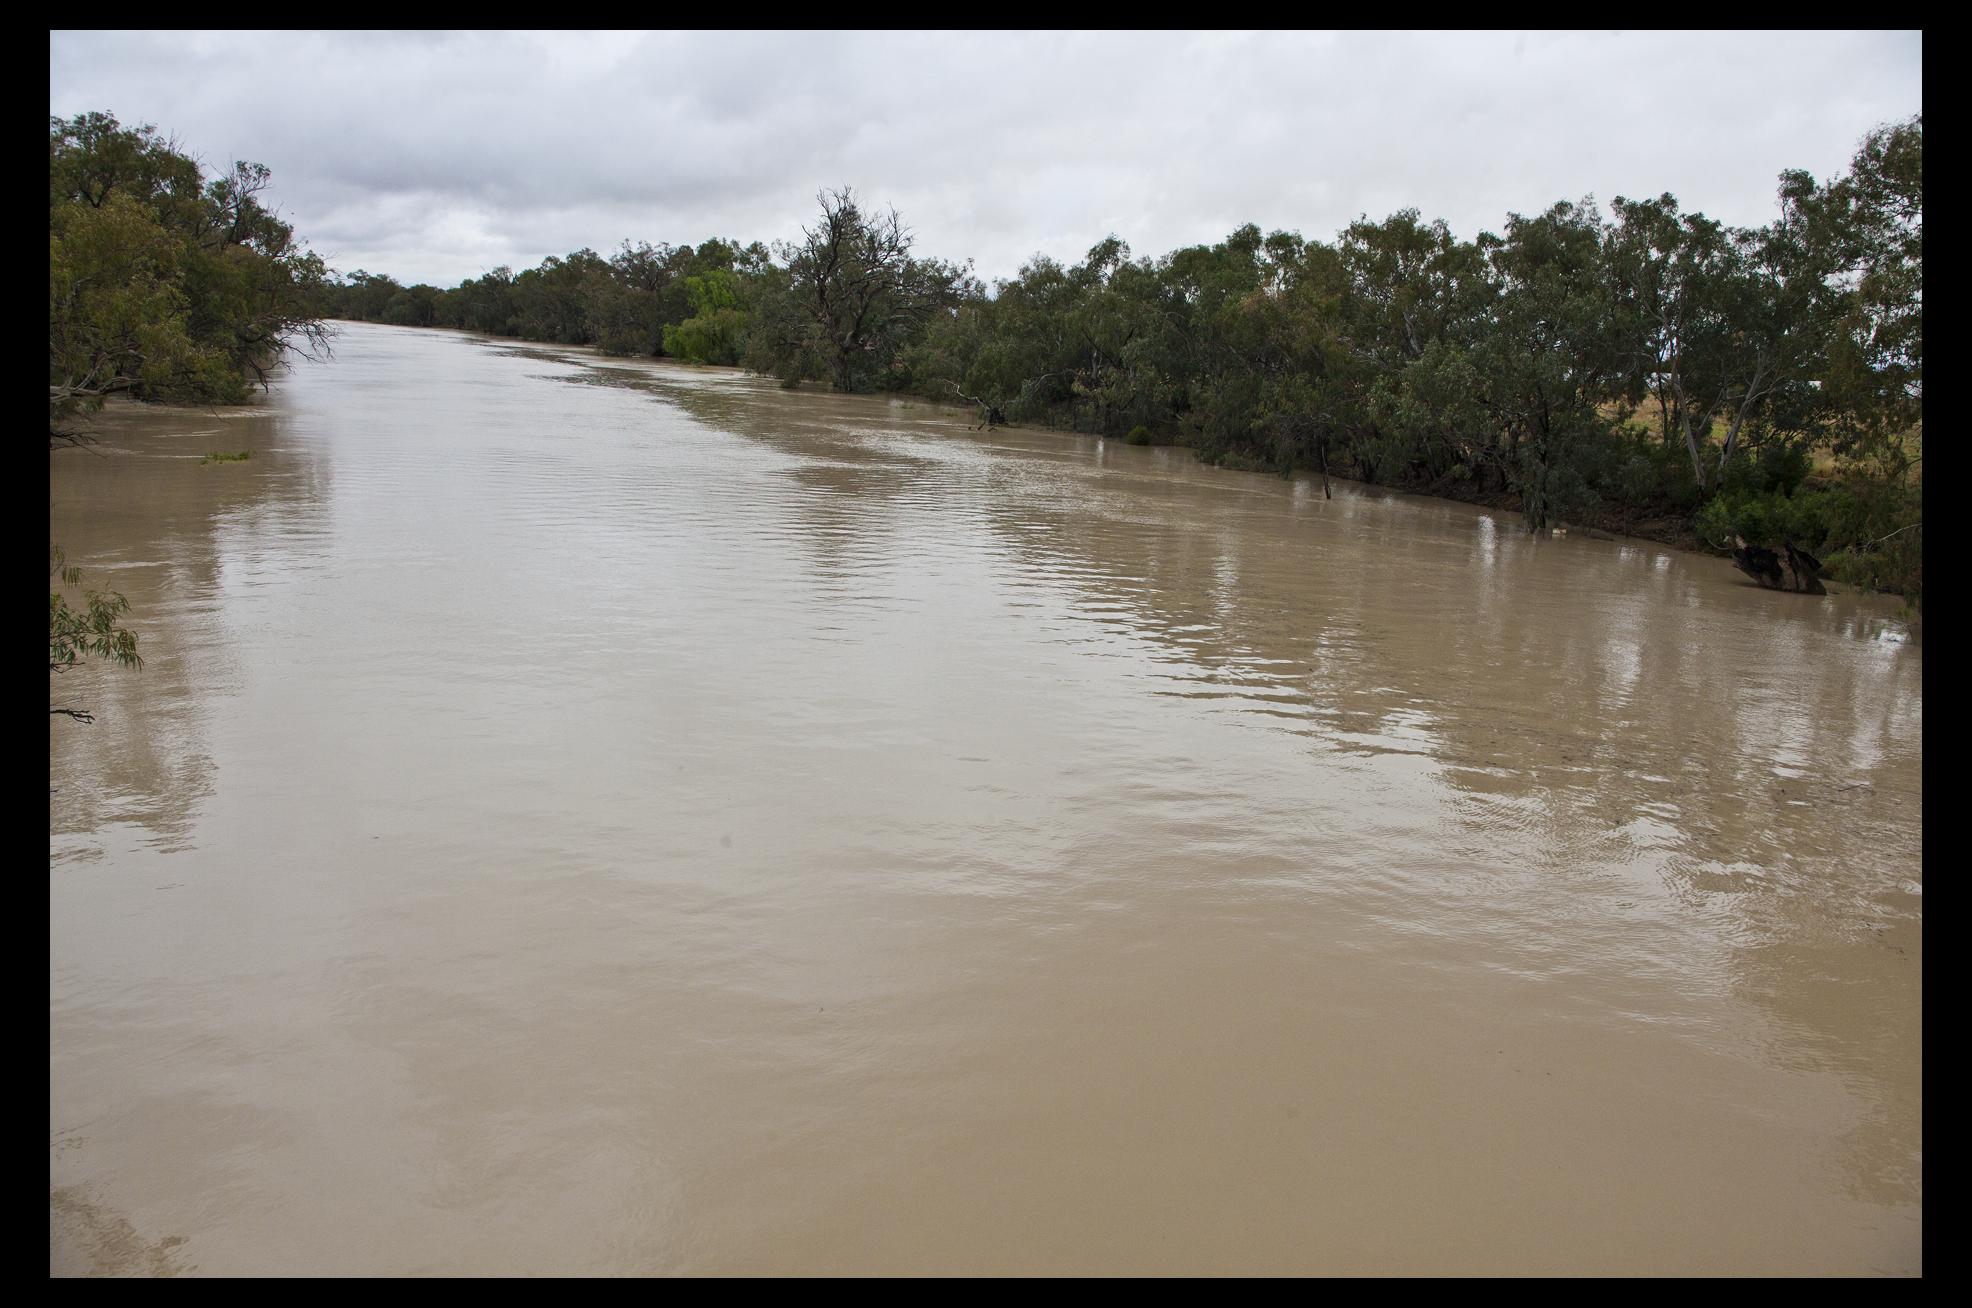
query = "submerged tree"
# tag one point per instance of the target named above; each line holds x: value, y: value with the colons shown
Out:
x: 94, y: 631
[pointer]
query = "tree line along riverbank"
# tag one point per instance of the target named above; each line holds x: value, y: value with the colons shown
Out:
x: 1647, y: 370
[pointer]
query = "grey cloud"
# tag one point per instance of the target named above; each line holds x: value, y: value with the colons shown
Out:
x: 434, y: 155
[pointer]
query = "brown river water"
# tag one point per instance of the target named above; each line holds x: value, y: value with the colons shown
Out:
x: 604, y: 817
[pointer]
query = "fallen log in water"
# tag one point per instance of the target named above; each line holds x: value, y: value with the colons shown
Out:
x: 990, y: 415
x: 1789, y: 569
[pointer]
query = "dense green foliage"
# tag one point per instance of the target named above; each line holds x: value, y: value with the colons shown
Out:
x: 162, y: 283
x: 1648, y: 370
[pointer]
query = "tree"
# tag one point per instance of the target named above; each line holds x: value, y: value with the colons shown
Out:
x: 717, y: 328
x: 1550, y: 357
x: 565, y: 299
x: 160, y: 286
x: 1871, y: 223
x: 857, y: 293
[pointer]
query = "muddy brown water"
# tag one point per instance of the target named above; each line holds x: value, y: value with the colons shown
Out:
x: 603, y: 817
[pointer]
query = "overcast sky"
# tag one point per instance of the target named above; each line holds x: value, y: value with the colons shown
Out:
x: 433, y: 157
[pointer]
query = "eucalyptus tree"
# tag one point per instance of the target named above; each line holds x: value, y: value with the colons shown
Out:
x: 566, y: 299
x: 1549, y: 357
x: 1668, y: 272
x: 1121, y: 329
x: 93, y: 157
x: 1302, y: 385
x: 482, y: 304
x: 1411, y: 283
x: 628, y: 309
x: 161, y: 284
x: 1010, y: 354
x: 1871, y: 221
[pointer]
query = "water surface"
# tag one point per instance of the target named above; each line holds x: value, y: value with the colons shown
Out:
x: 609, y: 817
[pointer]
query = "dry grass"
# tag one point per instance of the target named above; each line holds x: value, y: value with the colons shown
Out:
x: 1822, y: 459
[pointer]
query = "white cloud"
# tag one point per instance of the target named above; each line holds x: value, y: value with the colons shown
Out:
x: 432, y: 156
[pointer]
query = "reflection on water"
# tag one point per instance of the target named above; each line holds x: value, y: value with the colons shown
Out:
x: 589, y: 816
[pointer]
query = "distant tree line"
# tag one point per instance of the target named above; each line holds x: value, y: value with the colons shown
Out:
x: 1647, y: 369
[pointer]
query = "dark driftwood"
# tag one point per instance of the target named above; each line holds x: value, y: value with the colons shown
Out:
x: 1789, y: 569
x: 990, y: 415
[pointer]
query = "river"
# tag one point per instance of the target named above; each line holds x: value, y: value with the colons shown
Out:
x: 608, y: 817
